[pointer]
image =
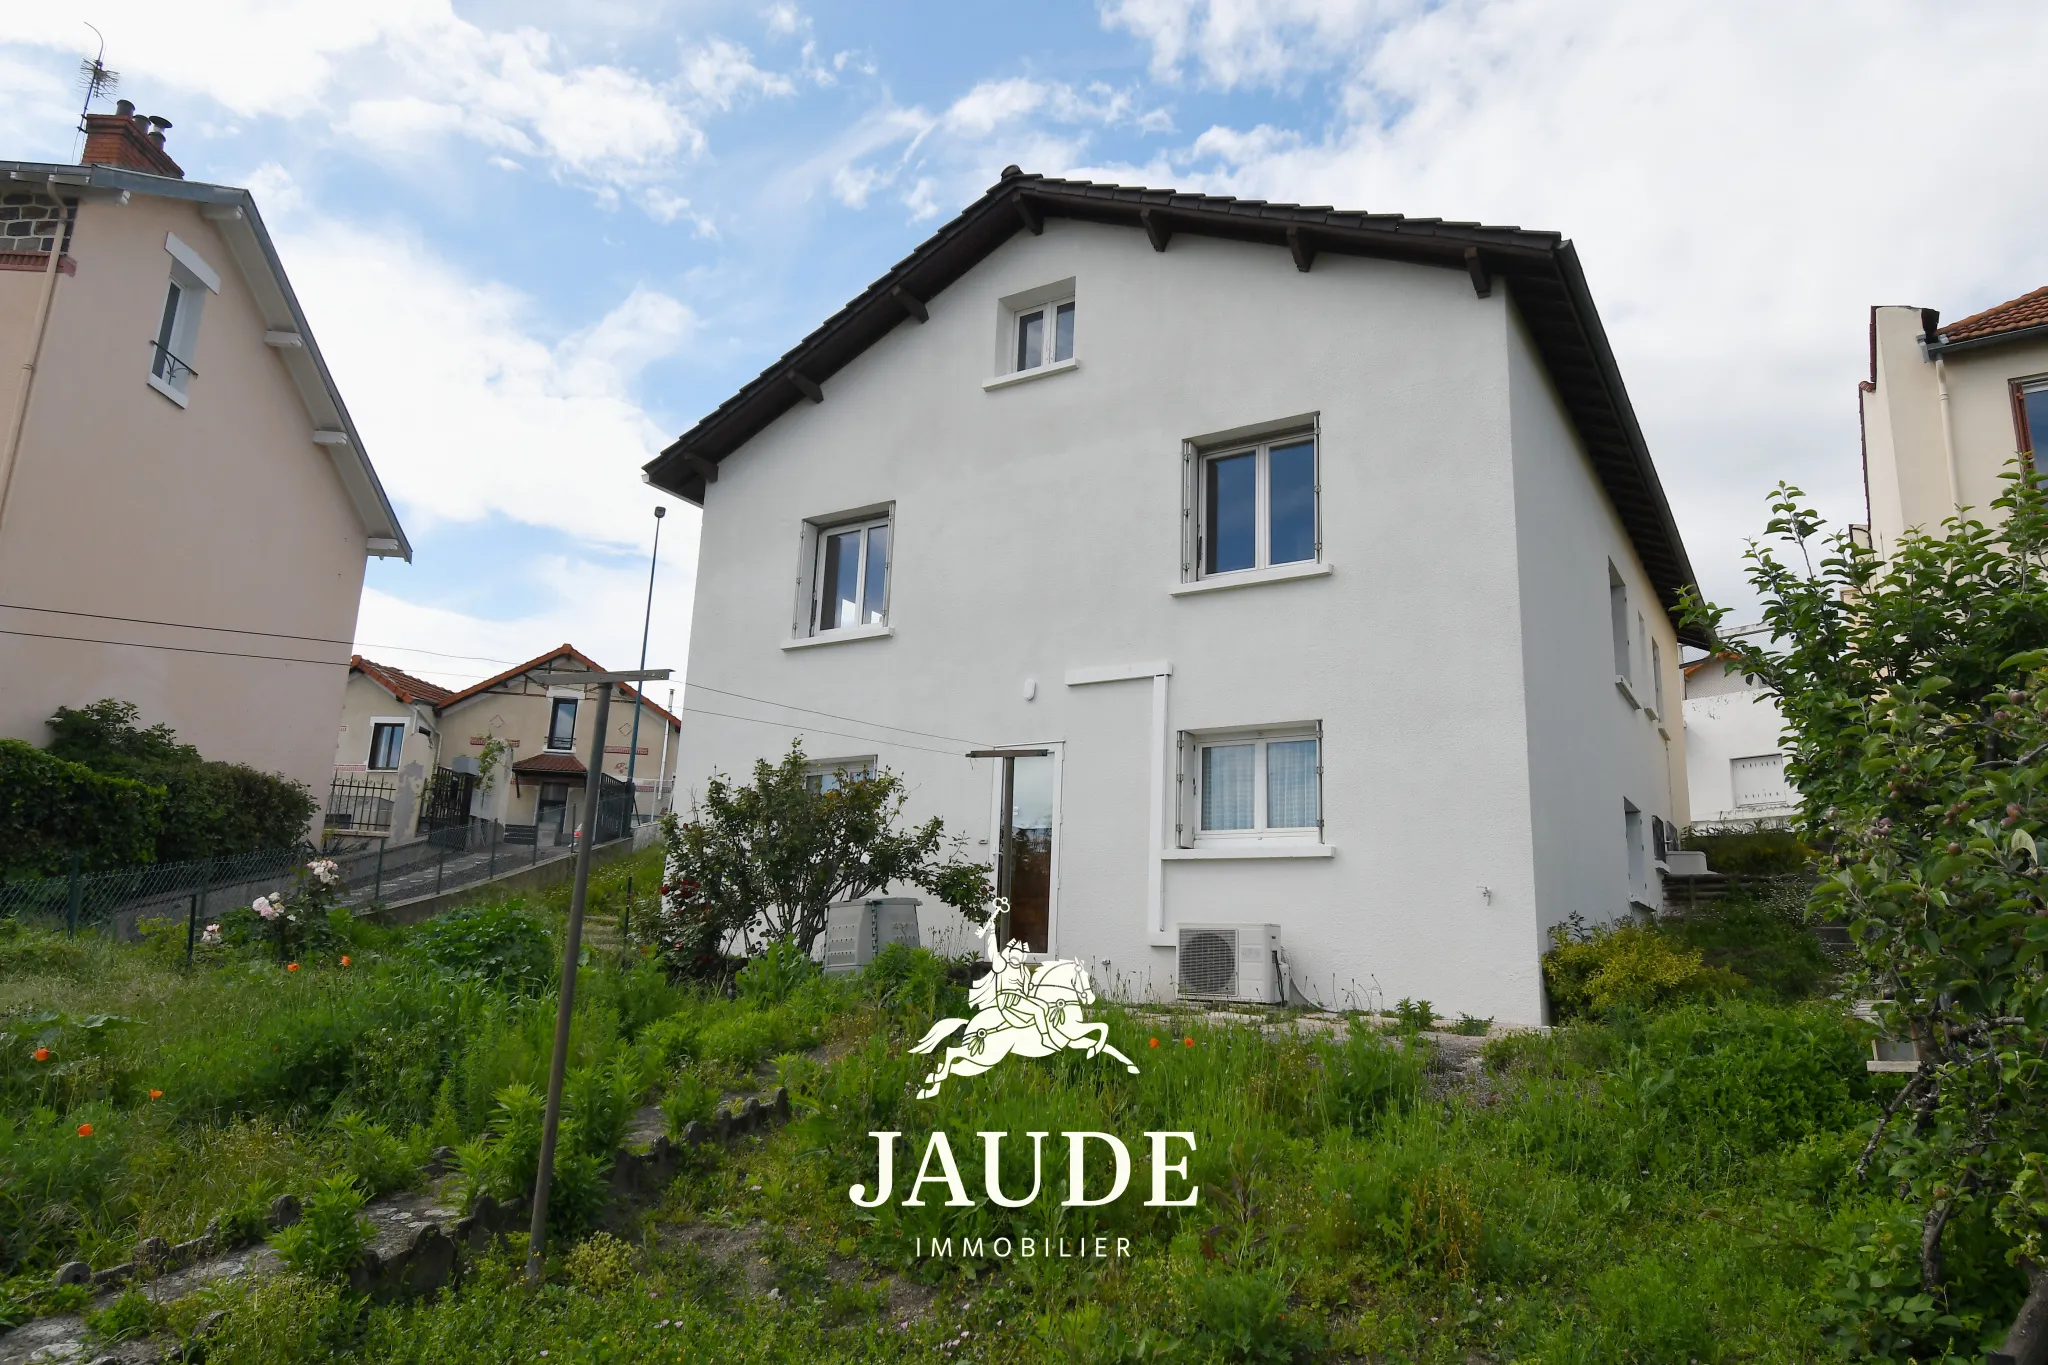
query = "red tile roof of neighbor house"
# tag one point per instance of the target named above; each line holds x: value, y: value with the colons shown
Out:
x: 2014, y: 315
x: 403, y: 686
x: 563, y: 651
x: 551, y: 763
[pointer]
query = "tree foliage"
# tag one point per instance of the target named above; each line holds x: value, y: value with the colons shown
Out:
x: 762, y: 862
x: 1915, y: 695
x: 211, y: 809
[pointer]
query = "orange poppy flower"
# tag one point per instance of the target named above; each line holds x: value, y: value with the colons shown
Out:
x: 1189, y: 1041
x: 344, y: 959
x: 291, y: 966
x: 85, y: 1130
x: 156, y: 1094
x: 42, y: 1054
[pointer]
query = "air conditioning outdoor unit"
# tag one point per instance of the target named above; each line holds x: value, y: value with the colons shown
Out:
x: 1230, y: 962
x: 857, y: 930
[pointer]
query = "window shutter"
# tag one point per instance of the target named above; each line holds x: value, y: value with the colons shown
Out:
x: 1190, y: 546
x: 1318, y: 512
x: 1319, y: 782
x: 1183, y: 792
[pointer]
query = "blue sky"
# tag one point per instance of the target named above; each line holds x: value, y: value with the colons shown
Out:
x: 537, y: 241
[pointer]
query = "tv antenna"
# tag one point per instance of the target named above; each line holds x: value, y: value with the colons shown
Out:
x: 95, y: 79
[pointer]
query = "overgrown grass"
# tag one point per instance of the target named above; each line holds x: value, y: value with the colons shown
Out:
x: 1658, y: 1186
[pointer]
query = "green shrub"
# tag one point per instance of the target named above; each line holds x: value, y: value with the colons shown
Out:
x: 1760, y: 936
x: 128, y: 1317
x: 690, y: 1099
x: 51, y: 809
x: 779, y: 970
x: 371, y: 1155
x: 600, y: 1100
x: 1242, y: 1315
x: 505, y: 1163
x: 1370, y: 1076
x: 1753, y: 852
x: 743, y: 1038
x: 331, y: 1233
x: 1625, y: 966
x: 601, y: 1264
x: 210, y: 809
x: 499, y: 943
x: 914, y: 982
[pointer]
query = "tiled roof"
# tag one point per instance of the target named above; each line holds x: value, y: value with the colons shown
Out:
x: 2014, y: 315
x: 551, y: 763
x: 1548, y: 285
x: 403, y: 686
x: 560, y: 652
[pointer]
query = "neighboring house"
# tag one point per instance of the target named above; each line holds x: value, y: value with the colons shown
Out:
x: 1205, y: 561
x: 1734, y: 751
x: 429, y: 745
x: 1946, y: 409
x: 386, y: 754
x: 185, y: 507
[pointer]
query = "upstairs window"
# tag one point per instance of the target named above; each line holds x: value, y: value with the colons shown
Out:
x: 562, y: 723
x: 851, y: 577
x: 1045, y: 335
x: 829, y: 774
x: 177, y: 331
x: 1258, y: 506
x: 2030, y: 419
x: 387, y: 738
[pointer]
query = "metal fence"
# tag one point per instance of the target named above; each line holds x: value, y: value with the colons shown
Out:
x: 361, y: 803
x: 381, y: 874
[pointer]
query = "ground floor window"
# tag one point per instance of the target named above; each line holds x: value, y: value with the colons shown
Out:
x: 1254, y: 784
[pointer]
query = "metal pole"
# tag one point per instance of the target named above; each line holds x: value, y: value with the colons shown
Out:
x: 377, y: 892
x: 572, y: 947
x: 440, y: 863
x: 191, y: 929
x: 74, y: 895
x: 492, y: 870
x: 646, y: 624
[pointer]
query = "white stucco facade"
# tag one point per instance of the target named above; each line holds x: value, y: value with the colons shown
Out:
x: 1734, y: 749
x: 1453, y: 640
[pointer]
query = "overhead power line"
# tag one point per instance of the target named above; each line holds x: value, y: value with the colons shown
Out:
x: 176, y: 649
x: 174, y: 625
x: 831, y: 715
x: 816, y: 730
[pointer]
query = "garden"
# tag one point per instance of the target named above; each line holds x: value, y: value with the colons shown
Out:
x: 1694, y: 1164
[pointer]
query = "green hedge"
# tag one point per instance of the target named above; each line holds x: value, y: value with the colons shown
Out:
x: 50, y: 809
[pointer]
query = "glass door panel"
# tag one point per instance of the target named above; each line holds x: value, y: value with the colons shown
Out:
x: 1024, y: 864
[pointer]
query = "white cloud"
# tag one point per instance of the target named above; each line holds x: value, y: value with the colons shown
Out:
x: 468, y: 405
x: 722, y: 73
x: 1743, y: 180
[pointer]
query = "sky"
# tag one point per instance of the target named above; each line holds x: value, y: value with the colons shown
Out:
x: 536, y: 242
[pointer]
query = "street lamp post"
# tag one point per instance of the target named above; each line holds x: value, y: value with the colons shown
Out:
x: 572, y: 945
x: 646, y: 623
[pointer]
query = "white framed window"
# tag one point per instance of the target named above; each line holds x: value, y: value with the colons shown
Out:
x: 1632, y: 831
x: 1043, y: 335
x: 177, y: 330
x: 1617, y: 610
x: 827, y: 774
x: 562, y: 722
x: 850, y: 575
x: 1657, y: 677
x: 1256, y: 505
x: 1759, y: 781
x: 1254, y: 784
x: 387, y: 741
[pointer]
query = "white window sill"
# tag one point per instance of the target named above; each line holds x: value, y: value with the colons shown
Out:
x: 1004, y: 381
x: 1248, y: 849
x: 840, y: 637
x: 1628, y: 692
x: 1251, y: 578
x: 166, y: 390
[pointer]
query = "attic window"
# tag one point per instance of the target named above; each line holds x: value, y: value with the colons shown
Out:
x: 177, y: 332
x: 1035, y: 333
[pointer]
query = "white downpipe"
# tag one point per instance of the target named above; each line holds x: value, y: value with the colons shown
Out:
x: 1155, y: 864
x: 1948, y: 434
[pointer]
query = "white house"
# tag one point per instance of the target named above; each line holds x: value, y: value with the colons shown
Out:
x: 1214, y: 562
x: 1734, y: 748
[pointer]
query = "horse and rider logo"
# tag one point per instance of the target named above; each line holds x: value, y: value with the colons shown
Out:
x: 1021, y: 1008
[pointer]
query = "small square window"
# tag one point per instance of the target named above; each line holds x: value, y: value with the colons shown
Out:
x: 387, y: 739
x: 562, y: 723
x: 850, y: 580
x: 1257, y: 507
x: 1043, y: 334
x: 1258, y: 784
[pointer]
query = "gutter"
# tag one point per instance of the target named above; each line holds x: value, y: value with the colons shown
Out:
x: 1940, y: 346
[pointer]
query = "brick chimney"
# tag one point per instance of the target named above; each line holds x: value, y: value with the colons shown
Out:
x: 126, y: 138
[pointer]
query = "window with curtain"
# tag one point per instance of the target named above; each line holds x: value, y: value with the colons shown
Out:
x: 1258, y: 784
